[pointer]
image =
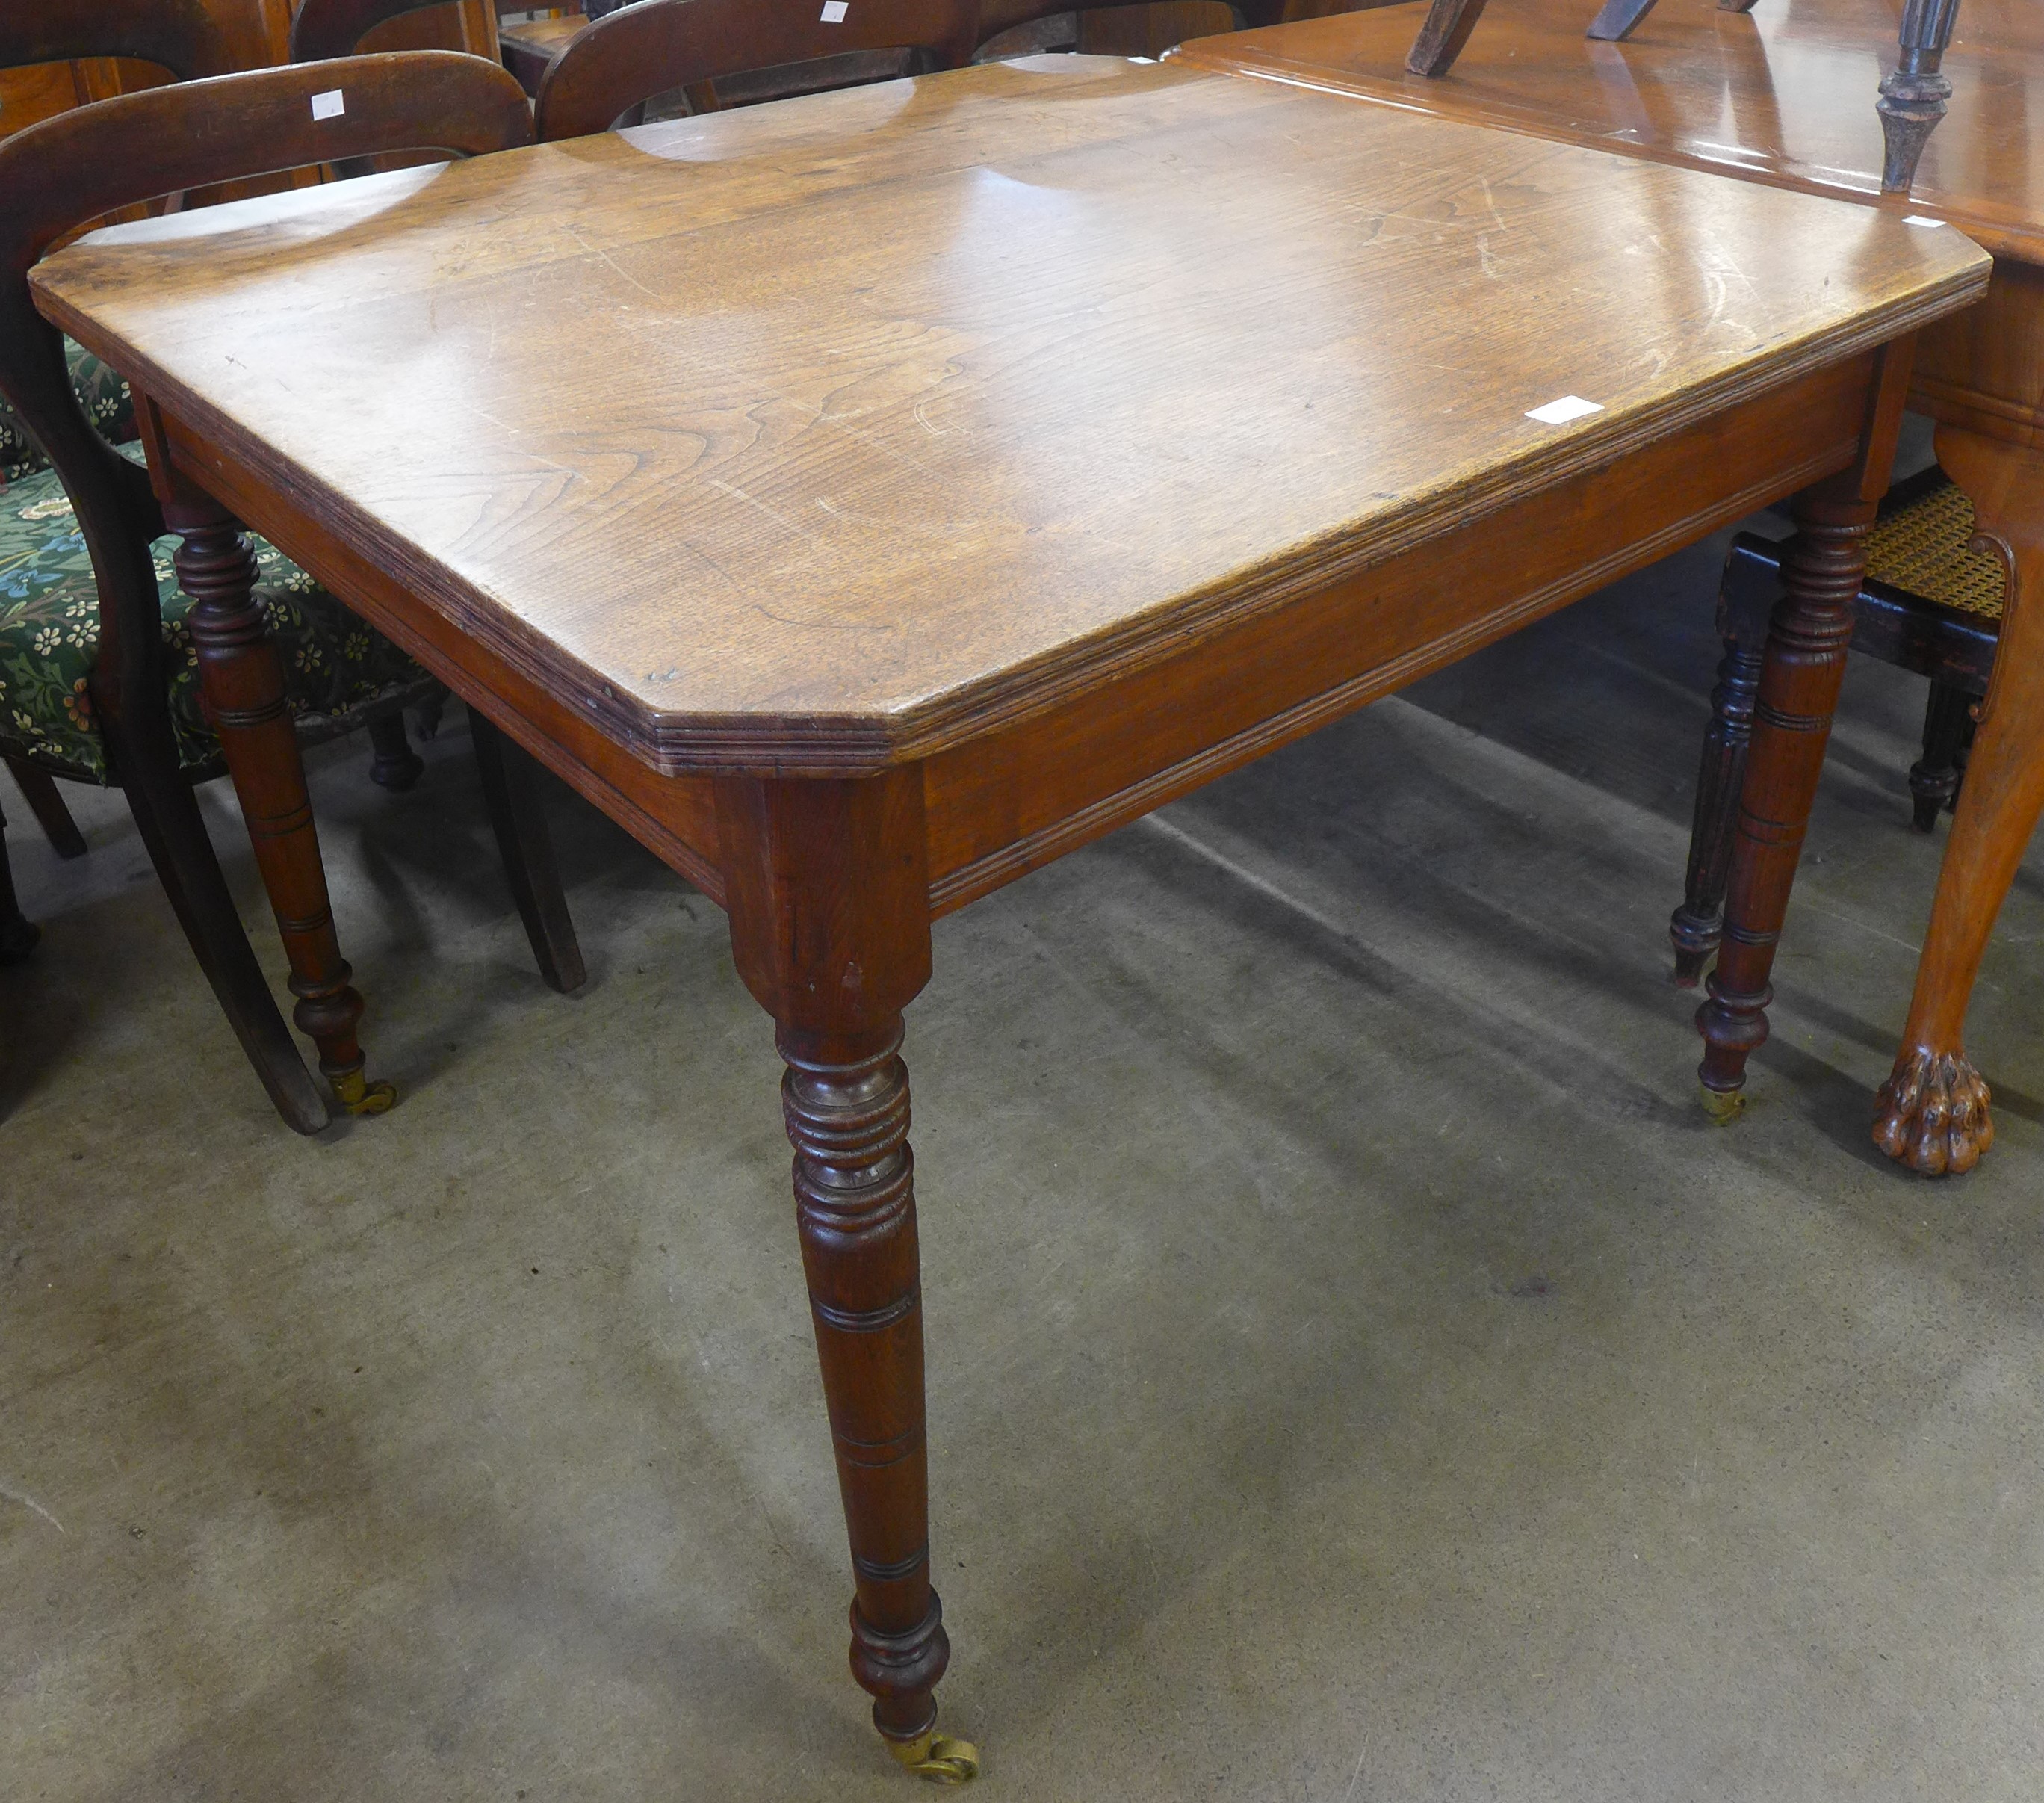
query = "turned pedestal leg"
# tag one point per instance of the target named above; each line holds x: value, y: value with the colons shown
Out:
x: 1695, y: 926
x: 1804, y: 663
x: 242, y: 683
x: 1932, y: 1111
x: 827, y: 884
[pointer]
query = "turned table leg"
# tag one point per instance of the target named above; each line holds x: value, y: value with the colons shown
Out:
x: 1695, y: 926
x: 242, y: 682
x: 828, y: 895
x: 1804, y: 663
x: 1932, y: 1111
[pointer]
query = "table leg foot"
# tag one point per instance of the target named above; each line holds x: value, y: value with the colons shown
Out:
x: 938, y: 1757
x: 1724, y: 1106
x: 1932, y: 1114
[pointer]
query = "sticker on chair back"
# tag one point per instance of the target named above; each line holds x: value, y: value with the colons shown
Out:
x: 330, y: 105
x: 834, y: 12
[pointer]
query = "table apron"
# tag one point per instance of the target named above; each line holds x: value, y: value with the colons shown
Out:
x: 1001, y: 805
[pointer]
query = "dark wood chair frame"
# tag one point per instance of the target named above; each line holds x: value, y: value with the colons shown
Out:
x: 76, y: 168
x: 1913, y: 95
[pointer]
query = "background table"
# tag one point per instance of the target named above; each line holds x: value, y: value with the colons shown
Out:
x: 1783, y: 95
x: 868, y: 498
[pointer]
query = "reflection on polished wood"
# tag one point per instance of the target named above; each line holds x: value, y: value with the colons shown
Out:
x: 1777, y: 97
x: 939, y: 475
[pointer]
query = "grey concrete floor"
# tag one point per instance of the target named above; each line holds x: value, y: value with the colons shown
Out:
x: 1358, y: 1371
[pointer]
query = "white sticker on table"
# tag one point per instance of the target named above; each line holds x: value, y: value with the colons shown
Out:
x: 330, y: 105
x: 1922, y: 219
x: 1569, y: 407
x: 834, y: 12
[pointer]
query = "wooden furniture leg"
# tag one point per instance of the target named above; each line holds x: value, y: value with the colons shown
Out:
x: 243, y: 685
x: 827, y: 887
x: 40, y: 791
x: 1913, y: 98
x: 394, y: 766
x: 18, y: 934
x: 1696, y: 926
x: 511, y: 792
x: 1442, y: 33
x: 1932, y: 1114
x: 1933, y: 779
x: 1804, y: 663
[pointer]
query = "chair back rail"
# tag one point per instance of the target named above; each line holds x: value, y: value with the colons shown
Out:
x: 82, y: 164
x: 324, y: 28
x: 629, y: 55
x: 177, y: 35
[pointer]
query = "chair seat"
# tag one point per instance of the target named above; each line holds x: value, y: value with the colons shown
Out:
x: 336, y: 669
x: 1921, y: 547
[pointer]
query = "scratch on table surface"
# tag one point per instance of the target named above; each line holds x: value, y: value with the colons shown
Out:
x: 28, y: 1501
x: 606, y: 256
x: 777, y: 516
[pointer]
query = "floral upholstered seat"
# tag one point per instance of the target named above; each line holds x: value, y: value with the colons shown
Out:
x: 336, y: 667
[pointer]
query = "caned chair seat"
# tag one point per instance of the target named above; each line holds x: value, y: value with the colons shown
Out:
x: 1922, y: 547
x: 335, y: 668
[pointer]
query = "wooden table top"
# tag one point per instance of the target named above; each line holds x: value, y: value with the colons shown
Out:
x: 1785, y: 93
x: 820, y: 437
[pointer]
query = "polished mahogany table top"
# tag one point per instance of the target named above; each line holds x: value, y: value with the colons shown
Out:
x: 1783, y: 94
x: 822, y: 436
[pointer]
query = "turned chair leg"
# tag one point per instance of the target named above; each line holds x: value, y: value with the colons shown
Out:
x: 828, y: 895
x: 242, y: 682
x: 18, y: 934
x: 512, y: 792
x: 395, y: 766
x: 1934, y: 782
x: 1695, y: 926
x: 1913, y: 98
x: 40, y: 791
x: 1932, y: 1113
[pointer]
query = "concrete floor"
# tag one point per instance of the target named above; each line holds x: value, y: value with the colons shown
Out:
x: 1357, y: 1372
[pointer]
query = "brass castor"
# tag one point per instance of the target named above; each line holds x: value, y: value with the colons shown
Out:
x: 938, y: 1757
x: 1724, y: 1106
x: 360, y: 1097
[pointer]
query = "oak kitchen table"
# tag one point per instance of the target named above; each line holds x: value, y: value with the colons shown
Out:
x: 1784, y: 95
x: 867, y: 499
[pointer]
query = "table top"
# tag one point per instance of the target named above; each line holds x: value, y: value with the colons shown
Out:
x: 1783, y: 94
x: 820, y: 437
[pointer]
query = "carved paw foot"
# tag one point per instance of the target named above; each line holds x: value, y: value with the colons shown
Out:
x: 1932, y: 1114
x: 938, y: 1757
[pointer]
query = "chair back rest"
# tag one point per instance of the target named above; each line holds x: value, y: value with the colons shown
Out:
x: 81, y: 164
x: 323, y: 29
x: 646, y: 48
x: 177, y: 35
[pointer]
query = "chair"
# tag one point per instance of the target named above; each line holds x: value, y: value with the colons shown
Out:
x: 1912, y: 97
x: 111, y: 674
x: 1930, y: 602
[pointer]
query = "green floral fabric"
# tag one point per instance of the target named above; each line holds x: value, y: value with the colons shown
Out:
x: 100, y: 391
x: 49, y: 636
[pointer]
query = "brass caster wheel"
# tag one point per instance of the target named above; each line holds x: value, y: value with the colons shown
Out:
x: 360, y: 1097
x: 938, y: 1757
x: 1724, y: 1106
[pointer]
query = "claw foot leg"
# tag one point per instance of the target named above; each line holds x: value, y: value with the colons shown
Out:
x: 1932, y: 1114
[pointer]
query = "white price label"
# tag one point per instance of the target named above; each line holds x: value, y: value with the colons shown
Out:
x: 330, y: 105
x: 1569, y: 407
x: 834, y: 12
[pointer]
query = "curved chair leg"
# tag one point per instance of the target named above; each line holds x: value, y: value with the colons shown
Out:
x: 1932, y: 1114
x: 1934, y: 780
x: 173, y: 831
x: 243, y: 684
x: 511, y: 792
x: 18, y: 934
x: 1696, y: 926
x: 40, y: 793
x: 396, y: 765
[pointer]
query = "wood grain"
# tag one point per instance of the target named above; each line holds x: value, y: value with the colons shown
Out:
x: 893, y: 416
x: 1783, y: 95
